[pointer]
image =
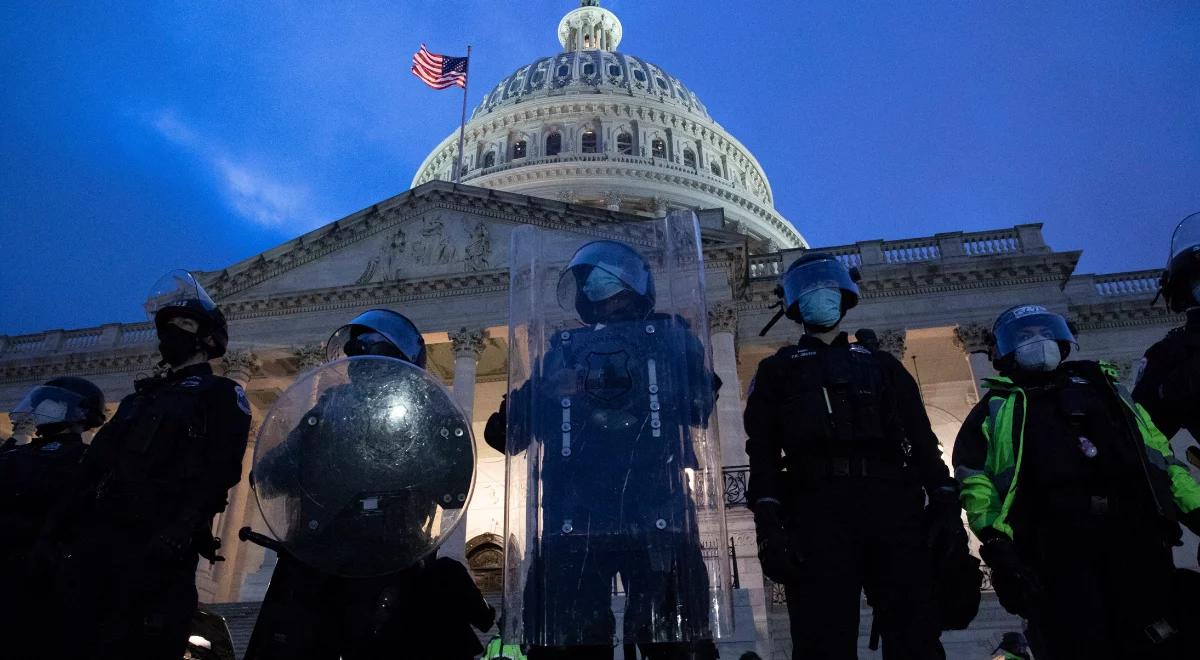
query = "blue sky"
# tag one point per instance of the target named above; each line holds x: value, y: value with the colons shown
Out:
x: 140, y: 137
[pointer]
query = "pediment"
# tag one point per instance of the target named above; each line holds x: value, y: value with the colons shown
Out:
x: 435, y: 231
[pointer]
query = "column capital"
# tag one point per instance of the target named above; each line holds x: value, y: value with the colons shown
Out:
x: 894, y: 342
x: 308, y: 356
x: 722, y: 317
x: 468, y: 343
x: 660, y: 207
x: 612, y: 200
x: 240, y: 364
x: 973, y: 337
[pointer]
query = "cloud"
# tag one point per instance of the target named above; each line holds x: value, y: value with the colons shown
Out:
x: 255, y: 195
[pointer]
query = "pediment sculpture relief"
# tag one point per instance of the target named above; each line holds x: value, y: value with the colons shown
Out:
x: 439, y: 240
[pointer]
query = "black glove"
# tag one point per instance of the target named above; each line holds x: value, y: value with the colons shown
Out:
x: 780, y: 560
x: 1019, y: 590
x: 943, y: 521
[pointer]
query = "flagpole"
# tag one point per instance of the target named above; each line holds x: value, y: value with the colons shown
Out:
x: 462, y: 122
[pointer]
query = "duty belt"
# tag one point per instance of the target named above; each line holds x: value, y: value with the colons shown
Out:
x: 847, y: 467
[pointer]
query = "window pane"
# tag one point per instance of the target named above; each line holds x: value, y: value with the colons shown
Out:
x: 553, y: 144
x: 518, y: 149
x: 716, y: 168
x: 689, y: 158
x: 659, y: 148
x: 625, y: 143
x: 589, y: 142
x: 489, y: 159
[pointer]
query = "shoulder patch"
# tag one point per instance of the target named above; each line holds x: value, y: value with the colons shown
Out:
x: 242, y: 401
x: 803, y: 353
x: 191, y: 381
x: 858, y: 348
x: 52, y: 446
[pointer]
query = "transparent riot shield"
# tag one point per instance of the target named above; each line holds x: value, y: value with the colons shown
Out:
x: 615, y: 525
x: 363, y: 466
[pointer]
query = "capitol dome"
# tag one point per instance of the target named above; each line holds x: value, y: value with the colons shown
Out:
x: 592, y: 125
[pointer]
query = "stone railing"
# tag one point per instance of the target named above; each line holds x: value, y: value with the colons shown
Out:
x: 1022, y: 239
x: 1141, y: 283
x: 111, y: 336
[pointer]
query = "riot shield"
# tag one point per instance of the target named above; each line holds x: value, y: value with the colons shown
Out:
x: 614, y: 510
x: 363, y: 466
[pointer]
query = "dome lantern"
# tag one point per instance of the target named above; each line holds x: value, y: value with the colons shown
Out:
x: 589, y: 27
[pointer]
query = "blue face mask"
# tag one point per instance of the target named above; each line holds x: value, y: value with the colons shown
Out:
x: 602, y: 285
x: 821, y: 308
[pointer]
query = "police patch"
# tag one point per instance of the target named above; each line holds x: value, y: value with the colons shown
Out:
x: 52, y: 446
x: 860, y: 349
x: 191, y: 381
x: 242, y: 401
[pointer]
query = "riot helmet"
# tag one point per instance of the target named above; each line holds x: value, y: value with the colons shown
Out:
x: 607, y: 280
x: 62, y: 402
x: 178, y: 294
x: 378, y: 332
x: 817, y: 290
x: 1180, y: 282
x: 1031, y: 338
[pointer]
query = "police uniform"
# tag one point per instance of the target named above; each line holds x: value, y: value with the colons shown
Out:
x: 1065, y: 467
x: 838, y: 435
x: 32, y: 479
x: 613, y: 492
x: 152, y: 481
x: 1168, y: 383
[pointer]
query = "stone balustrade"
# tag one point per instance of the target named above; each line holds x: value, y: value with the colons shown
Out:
x: 1140, y: 283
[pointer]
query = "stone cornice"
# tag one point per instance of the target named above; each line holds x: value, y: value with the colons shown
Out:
x: 79, y: 364
x: 1122, y: 314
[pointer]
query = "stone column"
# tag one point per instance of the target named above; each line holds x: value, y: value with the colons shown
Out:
x: 722, y: 321
x: 972, y: 338
x: 660, y: 207
x: 468, y: 345
x: 308, y: 356
x: 23, y: 429
x: 241, y: 366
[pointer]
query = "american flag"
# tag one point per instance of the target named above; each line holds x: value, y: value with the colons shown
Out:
x: 439, y: 71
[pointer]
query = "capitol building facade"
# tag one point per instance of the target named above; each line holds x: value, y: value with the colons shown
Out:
x: 574, y: 142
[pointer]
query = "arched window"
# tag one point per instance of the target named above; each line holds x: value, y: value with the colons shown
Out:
x: 589, y: 69
x: 519, y: 148
x: 689, y: 158
x: 589, y: 142
x: 625, y: 144
x: 715, y: 167
x: 658, y: 148
x: 489, y: 159
x: 553, y: 144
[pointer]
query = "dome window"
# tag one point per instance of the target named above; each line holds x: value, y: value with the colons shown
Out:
x: 519, y: 148
x: 537, y: 76
x: 661, y: 83
x: 640, y: 75
x: 689, y: 158
x: 489, y: 159
x: 614, y: 70
x: 589, y: 142
x: 553, y: 144
x: 563, y: 70
x: 625, y: 144
x: 658, y: 148
x: 715, y: 167
x: 589, y: 69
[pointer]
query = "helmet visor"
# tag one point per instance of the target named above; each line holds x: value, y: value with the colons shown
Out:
x: 617, y: 260
x: 1022, y: 330
x: 824, y: 274
x: 177, y: 288
x: 1186, y: 236
x: 363, y: 334
x: 47, y: 404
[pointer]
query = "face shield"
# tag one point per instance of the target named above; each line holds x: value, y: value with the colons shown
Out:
x: 47, y: 404
x: 367, y: 334
x: 178, y: 289
x: 621, y: 268
x: 1026, y: 325
x: 1186, y: 236
x: 818, y: 274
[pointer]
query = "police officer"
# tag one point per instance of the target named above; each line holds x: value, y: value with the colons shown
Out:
x: 840, y: 448
x: 32, y: 479
x: 613, y: 492
x: 1074, y: 495
x: 154, y: 477
x: 1168, y: 383
x: 423, y: 611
